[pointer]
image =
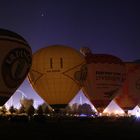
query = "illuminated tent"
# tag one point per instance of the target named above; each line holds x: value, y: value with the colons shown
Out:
x: 105, y: 76
x: 113, y: 109
x: 15, y: 62
x: 56, y: 74
x: 135, y: 111
x: 129, y: 95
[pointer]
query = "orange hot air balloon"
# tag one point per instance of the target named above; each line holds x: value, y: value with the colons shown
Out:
x: 105, y: 76
x: 15, y: 62
x: 129, y: 94
x: 56, y: 73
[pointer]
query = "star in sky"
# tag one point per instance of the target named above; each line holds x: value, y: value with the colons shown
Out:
x: 43, y: 14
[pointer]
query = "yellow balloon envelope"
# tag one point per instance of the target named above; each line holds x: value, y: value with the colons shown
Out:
x: 56, y: 73
x: 15, y: 62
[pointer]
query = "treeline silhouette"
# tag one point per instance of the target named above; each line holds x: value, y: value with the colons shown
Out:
x: 27, y: 112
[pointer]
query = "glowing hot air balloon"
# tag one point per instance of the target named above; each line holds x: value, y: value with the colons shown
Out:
x: 56, y: 74
x: 129, y: 94
x: 105, y: 76
x: 15, y: 62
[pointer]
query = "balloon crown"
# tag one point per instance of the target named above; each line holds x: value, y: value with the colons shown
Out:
x: 85, y: 51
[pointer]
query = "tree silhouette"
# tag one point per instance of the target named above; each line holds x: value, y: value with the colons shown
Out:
x: 12, y: 110
x: 46, y: 109
x: 85, y: 109
x: 26, y: 102
x: 3, y: 109
x: 39, y: 110
x: 21, y: 110
x: 75, y: 108
x: 68, y: 109
x: 30, y: 111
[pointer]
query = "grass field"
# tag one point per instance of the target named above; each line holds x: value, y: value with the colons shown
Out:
x: 18, y: 127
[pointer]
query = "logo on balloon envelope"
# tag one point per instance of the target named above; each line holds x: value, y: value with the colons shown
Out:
x: 110, y: 76
x: 16, y: 66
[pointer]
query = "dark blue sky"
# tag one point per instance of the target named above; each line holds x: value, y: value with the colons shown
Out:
x: 106, y: 26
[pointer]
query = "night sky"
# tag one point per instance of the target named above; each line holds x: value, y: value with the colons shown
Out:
x: 105, y: 26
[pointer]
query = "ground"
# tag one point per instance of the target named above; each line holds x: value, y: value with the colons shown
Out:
x: 54, y: 128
